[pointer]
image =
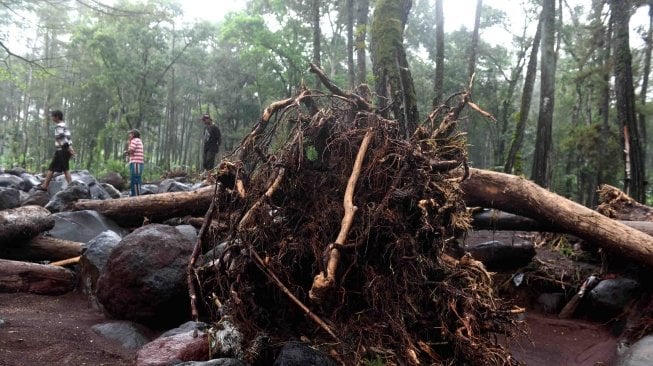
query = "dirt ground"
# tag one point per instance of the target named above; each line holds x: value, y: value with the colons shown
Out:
x: 56, y: 330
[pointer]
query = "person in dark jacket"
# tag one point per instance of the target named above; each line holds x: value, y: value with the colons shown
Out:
x: 212, y: 139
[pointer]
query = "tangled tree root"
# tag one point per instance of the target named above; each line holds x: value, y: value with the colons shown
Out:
x: 337, y: 235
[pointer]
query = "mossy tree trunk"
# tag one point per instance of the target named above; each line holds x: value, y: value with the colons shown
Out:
x: 394, y: 83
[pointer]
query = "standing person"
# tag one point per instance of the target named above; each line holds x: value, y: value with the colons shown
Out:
x: 136, y: 163
x: 212, y: 140
x: 63, y: 150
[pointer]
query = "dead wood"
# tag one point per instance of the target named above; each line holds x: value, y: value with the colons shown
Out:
x: 324, y: 282
x: 23, y: 223
x: 523, y: 197
x: 390, y: 284
x: 16, y: 276
x: 41, y: 248
x: 499, y: 220
x: 618, y: 205
x: 129, y: 211
x: 66, y: 262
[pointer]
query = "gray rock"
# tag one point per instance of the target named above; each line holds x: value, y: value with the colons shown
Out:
x: 93, y: 261
x: 188, y: 231
x: 82, y: 226
x: 63, y: 200
x: 299, y: 354
x: 129, y: 334
x: 9, y: 198
x: 11, y: 181
x: 215, y: 362
x: 614, y: 294
x: 639, y: 354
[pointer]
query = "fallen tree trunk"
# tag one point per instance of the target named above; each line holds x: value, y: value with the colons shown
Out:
x: 42, y: 248
x: 41, y: 279
x: 152, y: 207
x: 22, y: 223
x: 498, y: 220
x: 523, y: 197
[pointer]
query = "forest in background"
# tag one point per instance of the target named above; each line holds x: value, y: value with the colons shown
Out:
x: 132, y: 65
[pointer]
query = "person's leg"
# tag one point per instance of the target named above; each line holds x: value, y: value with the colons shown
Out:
x: 210, y: 160
x: 48, y: 178
x: 139, y: 175
x: 68, y: 177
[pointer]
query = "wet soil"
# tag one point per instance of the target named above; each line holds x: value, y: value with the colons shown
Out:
x: 55, y: 330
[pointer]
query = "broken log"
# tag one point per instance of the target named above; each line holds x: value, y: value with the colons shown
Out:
x: 42, y: 248
x: 504, y: 221
x: 67, y: 262
x: 23, y: 223
x: 618, y: 205
x: 522, y: 197
x: 16, y: 276
x: 153, y: 207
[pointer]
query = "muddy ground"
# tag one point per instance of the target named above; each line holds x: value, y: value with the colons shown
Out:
x: 56, y: 330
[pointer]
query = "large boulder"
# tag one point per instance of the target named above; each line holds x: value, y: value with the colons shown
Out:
x: 129, y: 334
x: 11, y: 181
x: 9, y: 198
x: 144, y: 279
x: 639, y: 354
x: 114, y: 179
x: 63, y: 200
x: 82, y: 226
x: 174, y: 349
x: 93, y: 261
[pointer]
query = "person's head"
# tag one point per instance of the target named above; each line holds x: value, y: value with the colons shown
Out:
x: 134, y: 133
x: 206, y: 119
x: 56, y: 115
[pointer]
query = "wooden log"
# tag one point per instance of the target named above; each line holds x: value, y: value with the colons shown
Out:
x: 42, y: 248
x: 499, y: 220
x: 16, y: 276
x: 523, y: 197
x: 23, y: 223
x: 153, y: 207
x: 618, y: 205
x: 66, y: 262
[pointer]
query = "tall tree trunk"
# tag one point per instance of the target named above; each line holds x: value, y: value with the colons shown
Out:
x: 473, y: 49
x: 394, y: 83
x: 350, y: 44
x: 507, y: 108
x: 625, y: 96
x: 361, y: 32
x: 524, y: 109
x: 645, y: 75
x: 543, y: 141
x: 315, y: 12
x: 438, y: 85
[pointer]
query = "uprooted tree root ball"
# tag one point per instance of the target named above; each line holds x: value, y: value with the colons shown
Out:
x: 337, y: 230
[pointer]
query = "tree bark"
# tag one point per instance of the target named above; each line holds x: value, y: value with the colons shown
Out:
x: 394, y: 84
x: 635, y: 177
x: 473, y: 49
x: 525, y: 107
x: 522, y: 197
x: 438, y: 85
x: 42, y: 248
x: 315, y: 20
x: 23, y: 223
x: 498, y: 220
x: 543, y: 141
x: 153, y: 207
x: 361, y: 31
x: 618, y: 205
x: 351, y: 77
x: 41, y: 279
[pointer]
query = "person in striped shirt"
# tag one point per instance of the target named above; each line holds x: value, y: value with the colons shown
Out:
x: 62, y: 153
x: 136, y: 163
